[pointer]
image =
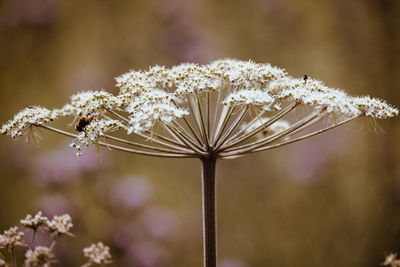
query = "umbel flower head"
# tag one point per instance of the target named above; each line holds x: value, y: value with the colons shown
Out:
x: 193, y: 110
x: 12, y: 238
x: 60, y: 225
x: 97, y: 254
x: 39, y: 257
x: 35, y: 222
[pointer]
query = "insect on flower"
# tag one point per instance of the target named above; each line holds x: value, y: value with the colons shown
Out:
x: 84, y: 121
x: 305, y: 78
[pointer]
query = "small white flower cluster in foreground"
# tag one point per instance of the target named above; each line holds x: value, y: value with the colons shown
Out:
x: 60, y: 225
x: 12, y: 238
x: 97, y: 254
x: 42, y: 256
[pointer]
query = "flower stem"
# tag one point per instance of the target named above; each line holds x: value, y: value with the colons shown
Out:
x: 14, y: 257
x: 209, y: 212
x: 33, y: 239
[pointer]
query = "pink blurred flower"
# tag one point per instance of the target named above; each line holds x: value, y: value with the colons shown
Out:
x: 160, y: 222
x: 31, y: 12
x: 310, y: 157
x: 123, y: 234
x: 41, y: 238
x: 55, y: 204
x: 145, y: 254
x: 185, y: 38
x: 131, y: 193
x: 61, y: 165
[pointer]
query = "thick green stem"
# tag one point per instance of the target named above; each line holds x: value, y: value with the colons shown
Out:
x: 209, y: 212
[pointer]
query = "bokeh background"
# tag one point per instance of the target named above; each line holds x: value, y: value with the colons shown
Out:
x: 333, y: 200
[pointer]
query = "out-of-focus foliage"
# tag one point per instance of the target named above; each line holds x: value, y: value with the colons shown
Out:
x: 329, y: 201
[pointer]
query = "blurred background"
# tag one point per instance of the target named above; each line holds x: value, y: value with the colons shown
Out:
x: 333, y: 200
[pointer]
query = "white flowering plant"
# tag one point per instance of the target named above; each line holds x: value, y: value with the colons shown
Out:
x: 44, y: 256
x: 222, y: 110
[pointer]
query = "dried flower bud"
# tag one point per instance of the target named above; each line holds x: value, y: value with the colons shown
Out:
x: 11, y: 238
x: 2, y: 263
x: 39, y: 257
x: 97, y: 254
x: 60, y: 225
x: 35, y: 222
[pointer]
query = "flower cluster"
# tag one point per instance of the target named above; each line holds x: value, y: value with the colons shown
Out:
x: 12, y: 238
x: 24, y: 119
x: 97, y: 254
x: 35, y: 222
x: 220, y: 99
x: 60, y: 225
x: 42, y: 256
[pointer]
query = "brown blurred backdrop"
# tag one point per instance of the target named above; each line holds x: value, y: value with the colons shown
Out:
x: 333, y: 200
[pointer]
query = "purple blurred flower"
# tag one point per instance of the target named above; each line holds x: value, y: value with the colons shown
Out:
x: 19, y: 155
x: 61, y: 165
x: 310, y: 157
x: 41, y: 238
x: 131, y: 193
x: 84, y: 77
x: 188, y: 42
x: 231, y: 263
x: 145, y: 254
x: 55, y: 204
x: 160, y: 222
x: 185, y: 38
x: 31, y: 12
x: 123, y: 234
x: 184, y: 9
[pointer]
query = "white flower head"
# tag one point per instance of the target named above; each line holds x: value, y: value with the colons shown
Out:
x: 249, y: 97
x: 90, y: 102
x: 60, y: 225
x: 12, y: 238
x: 39, y: 257
x: 35, y: 222
x: 375, y: 108
x: 26, y: 118
x: 97, y: 254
